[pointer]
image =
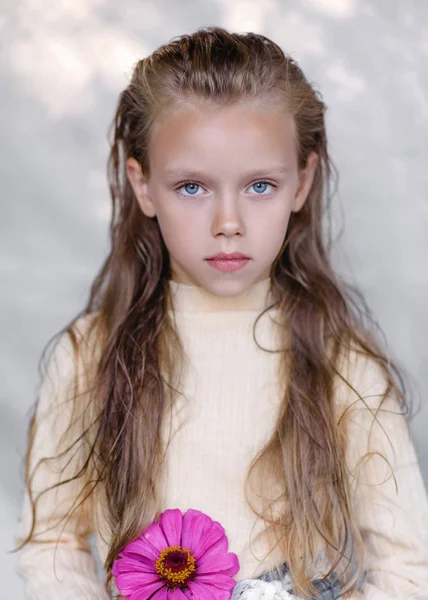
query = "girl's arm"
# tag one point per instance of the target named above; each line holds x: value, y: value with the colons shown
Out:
x: 393, y: 521
x: 65, y: 570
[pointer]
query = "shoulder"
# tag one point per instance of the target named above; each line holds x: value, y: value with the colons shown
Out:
x: 361, y: 378
x: 74, y: 355
x: 68, y: 378
x: 369, y: 411
x: 79, y: 340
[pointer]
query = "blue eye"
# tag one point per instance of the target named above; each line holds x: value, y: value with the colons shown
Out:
x: 191, y: 188
x: 187, y: 185
x: 194, y: 185
x: 262, y: 183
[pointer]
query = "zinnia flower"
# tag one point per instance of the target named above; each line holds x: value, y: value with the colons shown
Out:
x: 177, y: 557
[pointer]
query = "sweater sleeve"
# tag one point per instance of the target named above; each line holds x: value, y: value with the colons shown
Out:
x: 57, y: 564
x: 390, y: 503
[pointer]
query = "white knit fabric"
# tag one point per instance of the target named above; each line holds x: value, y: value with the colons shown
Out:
x: 255, y: 589
x: 228, y: 413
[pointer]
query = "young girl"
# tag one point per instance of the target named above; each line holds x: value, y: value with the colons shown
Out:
x: 247, y: 388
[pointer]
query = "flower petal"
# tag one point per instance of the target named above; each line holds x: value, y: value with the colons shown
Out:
x: 142, y: 550
x: 129, y: 581
x: 176, y: 594
x: 122, y: 565
x: 154, y: 535
x: 219, y: 547
x: 220, y: 580
x: 154, y: 591
x: 234, y: 566
x: 218, y: 525
x: 226, y: 563
x: 170, y: 521
x: 208, y: 539
x: 207, y: 592
x: 161, y: 594
x: 195, y: 524
x: 202, y: 592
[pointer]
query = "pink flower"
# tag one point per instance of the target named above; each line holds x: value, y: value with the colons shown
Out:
x: 177, y: 557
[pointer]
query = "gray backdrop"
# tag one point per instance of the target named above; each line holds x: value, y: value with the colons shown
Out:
x: 62, y: 67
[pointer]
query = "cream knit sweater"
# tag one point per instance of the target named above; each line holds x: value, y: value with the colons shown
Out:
x: 228, y: 415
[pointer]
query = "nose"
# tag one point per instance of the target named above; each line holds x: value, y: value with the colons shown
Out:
x: 227, y: 219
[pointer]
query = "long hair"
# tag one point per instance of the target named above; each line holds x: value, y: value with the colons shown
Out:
x: 133, y: 377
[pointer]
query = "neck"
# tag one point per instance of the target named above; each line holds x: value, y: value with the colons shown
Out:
x: 193, y: 298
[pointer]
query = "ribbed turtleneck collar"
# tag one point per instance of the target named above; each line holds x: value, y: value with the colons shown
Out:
x: 193, y: 298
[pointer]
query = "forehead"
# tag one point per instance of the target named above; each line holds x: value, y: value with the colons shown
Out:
x: 222, y: 137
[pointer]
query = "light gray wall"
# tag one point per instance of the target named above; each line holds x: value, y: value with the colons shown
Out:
x: 62, y: 67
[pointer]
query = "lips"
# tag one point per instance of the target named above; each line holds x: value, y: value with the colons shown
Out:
x: 232, y: 256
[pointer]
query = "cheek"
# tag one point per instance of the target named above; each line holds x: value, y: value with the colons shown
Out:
x: 273, y: 221
x: 170, y: 218
x: 180, y: 230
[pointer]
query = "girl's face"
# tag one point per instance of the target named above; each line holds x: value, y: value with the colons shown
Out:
x: 222, y: 180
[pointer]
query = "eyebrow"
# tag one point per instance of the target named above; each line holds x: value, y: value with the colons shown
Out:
x: 271, y: 169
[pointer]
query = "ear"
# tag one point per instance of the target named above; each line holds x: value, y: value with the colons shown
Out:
x: 306, y: 177
x: 139, y: 185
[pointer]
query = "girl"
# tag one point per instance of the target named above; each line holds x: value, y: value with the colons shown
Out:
x: 247, y: 388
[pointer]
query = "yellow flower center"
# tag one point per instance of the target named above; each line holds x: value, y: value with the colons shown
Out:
x: 176, y: 566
